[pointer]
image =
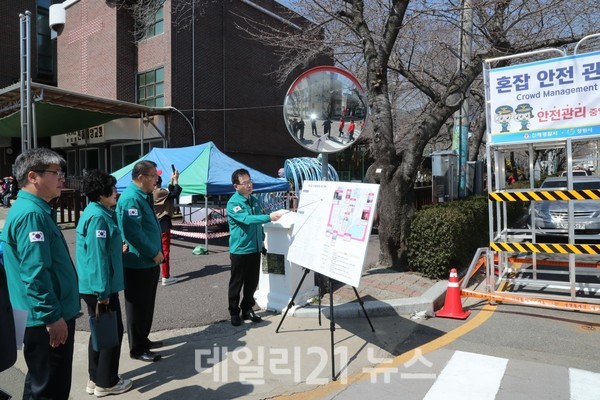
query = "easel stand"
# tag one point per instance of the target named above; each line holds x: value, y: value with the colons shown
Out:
x: 291, y: 303
x: 331, y: 316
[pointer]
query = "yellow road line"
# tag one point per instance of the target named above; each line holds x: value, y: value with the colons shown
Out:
x: 473, y: 323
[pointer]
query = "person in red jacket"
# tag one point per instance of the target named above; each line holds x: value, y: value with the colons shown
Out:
x: 341, y: 128
x: 351, y: 131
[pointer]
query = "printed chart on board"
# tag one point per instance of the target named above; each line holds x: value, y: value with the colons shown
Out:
x: 332, y: 228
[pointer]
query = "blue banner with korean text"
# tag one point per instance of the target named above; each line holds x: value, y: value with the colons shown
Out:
x: 545, y: 100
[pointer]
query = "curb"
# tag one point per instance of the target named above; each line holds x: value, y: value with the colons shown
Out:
x: 431, y: 300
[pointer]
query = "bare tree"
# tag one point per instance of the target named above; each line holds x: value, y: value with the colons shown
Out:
x: 145, y: 12
x: 406, y: 53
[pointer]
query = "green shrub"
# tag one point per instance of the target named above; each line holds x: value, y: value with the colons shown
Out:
x: 445, y: 236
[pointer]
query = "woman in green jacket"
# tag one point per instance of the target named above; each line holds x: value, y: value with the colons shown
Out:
x: 100, y: 269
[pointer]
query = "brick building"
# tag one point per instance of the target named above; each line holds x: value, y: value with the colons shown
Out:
x: 209, y: 70
x: 206, y: 68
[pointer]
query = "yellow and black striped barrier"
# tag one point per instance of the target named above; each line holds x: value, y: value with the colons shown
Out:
x: 551, y: 248
x: 589, y: 194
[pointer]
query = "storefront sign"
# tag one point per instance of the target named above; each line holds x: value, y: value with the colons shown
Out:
x: 89, y: 135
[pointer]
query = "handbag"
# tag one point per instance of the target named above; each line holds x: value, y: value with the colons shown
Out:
x: 103, y: 327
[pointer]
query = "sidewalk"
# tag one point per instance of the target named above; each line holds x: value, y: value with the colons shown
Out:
x: 253, y: 361
x: 385, y: 292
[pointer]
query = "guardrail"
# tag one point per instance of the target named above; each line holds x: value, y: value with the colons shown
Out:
x: 69, y: 206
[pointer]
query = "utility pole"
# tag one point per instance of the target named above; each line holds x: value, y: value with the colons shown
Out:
x: 460, y: 137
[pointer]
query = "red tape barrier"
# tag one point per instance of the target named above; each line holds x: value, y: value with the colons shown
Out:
x: 199, y: 235
x: 211, y: 221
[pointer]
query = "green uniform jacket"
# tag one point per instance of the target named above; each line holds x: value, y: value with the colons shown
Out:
x: 99, y: 252
x: 245, y: 224
x: 139, y: 227
x: 41, y: 276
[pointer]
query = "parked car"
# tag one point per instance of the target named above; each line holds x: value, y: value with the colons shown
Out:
x: 551, y: 216
x: 576, y: 172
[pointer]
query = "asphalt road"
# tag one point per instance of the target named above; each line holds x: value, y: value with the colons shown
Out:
x: 199, y: 299
x: 543, y: 335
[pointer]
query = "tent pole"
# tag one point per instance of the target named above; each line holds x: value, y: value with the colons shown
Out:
x: 206, y: 224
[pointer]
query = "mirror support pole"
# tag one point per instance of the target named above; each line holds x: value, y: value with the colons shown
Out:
x: 324, y: 167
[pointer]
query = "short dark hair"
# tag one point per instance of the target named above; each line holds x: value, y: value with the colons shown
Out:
x: 37, y: 159
x: 158, y: 181
x: 142, y: 168
x: 235, y: 177
x: 98, y: 183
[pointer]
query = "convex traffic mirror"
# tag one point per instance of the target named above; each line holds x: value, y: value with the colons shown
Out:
x: 325, y: 109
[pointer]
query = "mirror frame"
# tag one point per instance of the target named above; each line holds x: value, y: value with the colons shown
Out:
x: 342, y: 101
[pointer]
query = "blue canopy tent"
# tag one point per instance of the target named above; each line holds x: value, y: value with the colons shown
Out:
x: 203, y: 169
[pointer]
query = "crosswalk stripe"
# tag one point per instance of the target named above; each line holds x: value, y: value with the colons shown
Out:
x: 468, y: 376
x: 456, y: 375
x: 584, y: 385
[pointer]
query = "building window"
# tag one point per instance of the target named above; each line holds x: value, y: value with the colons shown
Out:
x: 72, y: 163
x: 125, y: 154
x: 116, y: 158
x: 156, y: 26
x: 45, y: 60
x: 92, y: 158
x: 151, y: 88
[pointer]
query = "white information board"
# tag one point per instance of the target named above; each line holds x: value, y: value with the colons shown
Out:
x: 332, y: 228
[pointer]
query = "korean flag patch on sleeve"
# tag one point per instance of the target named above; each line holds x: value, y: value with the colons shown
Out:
x: 133, y: 212
x: 36, y: 236
x: 101, y: 234
x: 237, y: 209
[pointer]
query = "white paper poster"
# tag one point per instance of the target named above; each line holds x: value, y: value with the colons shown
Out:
x: 332, y: 228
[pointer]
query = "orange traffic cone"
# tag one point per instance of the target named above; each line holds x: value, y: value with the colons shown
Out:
x: 452, y: 304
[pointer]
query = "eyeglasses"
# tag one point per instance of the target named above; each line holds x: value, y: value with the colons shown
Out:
x: 59, y: 174
x: 247, y: 183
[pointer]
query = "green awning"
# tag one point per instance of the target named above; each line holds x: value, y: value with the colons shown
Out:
x: 58, y: 111
x: 52, y: 120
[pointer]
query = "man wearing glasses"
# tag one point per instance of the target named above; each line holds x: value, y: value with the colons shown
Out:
x: 41, y: 275
x: 245, y: 245
x: 141, y: 233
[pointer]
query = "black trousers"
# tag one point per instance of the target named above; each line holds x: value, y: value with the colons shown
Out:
x: 49, y: 368
x: 140, y: 297
x: 103, y: 365
x: 244, y: 273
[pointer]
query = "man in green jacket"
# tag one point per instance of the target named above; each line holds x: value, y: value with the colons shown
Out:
x: 245, y: 245
x: 141, y: 232
x: 41, y: 275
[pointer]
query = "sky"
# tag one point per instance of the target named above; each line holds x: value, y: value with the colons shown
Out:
x: 287, y: 3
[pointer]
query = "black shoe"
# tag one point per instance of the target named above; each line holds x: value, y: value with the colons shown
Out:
x: 251, y: 316
x: 236, y: 320
x: 154, y: 345
x: 148, y: 356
